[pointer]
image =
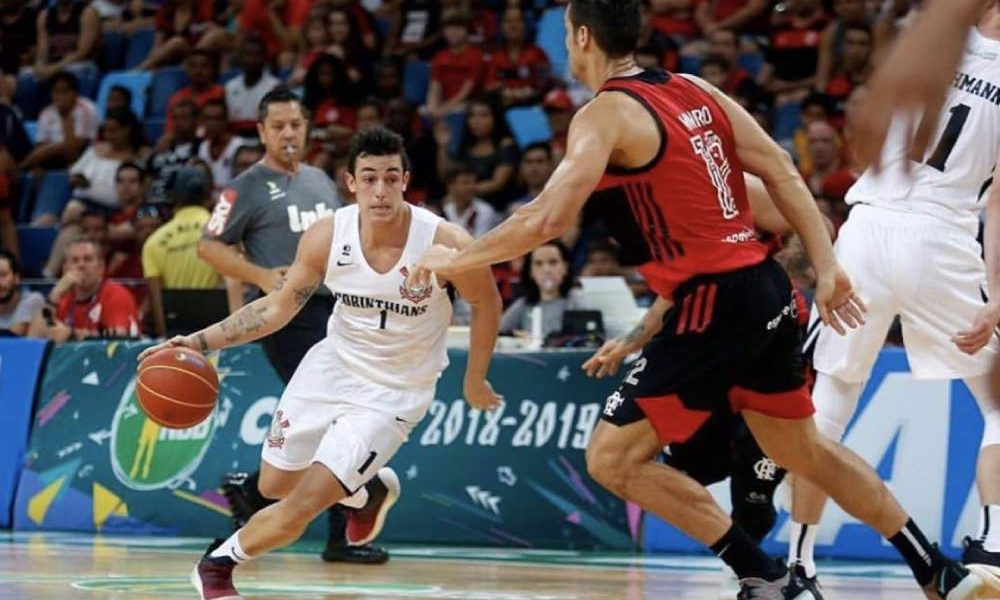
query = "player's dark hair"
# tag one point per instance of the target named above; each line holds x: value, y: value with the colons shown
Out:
x: 15, y: 265
x: 67, y: 78
x: 279, y: 95
x: 129, y: 165
x: 376, y: 140
x: 543, y: 146
x: 614, y: 24
x: 533, y: 295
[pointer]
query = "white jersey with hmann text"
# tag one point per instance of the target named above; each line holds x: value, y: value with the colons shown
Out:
x: 957, y: 170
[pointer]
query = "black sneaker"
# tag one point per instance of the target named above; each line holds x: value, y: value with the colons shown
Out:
x: 213, y: 577
x: 363, y: 555
x: 976, y: 554
x: 983, y: 563
x: 241, y: 505
x: 952, y: 581
x: 801, y: 587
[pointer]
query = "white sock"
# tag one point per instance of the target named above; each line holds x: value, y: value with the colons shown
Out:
x: 989, y: 528
x: 231, y: 548
x: 801, y: 540
x: 358, y: 500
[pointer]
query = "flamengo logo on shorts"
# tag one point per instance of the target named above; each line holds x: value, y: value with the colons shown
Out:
x: 614, y: 401
x: 276, y: 437
x: 145, y: 456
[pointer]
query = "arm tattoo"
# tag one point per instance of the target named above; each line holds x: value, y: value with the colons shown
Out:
x: 281, y: 283
x: 202, y: 341
x: 249, y: 319
x: 303, y: 294
x: 635, y: 334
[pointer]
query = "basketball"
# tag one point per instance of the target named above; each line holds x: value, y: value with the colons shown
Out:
x: 177, y: 387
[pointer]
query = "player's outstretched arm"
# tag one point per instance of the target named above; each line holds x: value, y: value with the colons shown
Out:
x: 479, y: 289
x: 593, y: 135
x: 606, y: 361
x: 269, y: 313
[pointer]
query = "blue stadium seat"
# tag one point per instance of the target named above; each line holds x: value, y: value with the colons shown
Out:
x: 416, y: 80
x: 529, y: 125
x: 551, y: 38
x: 787, y: 119
x: 28, y: 97
x: 455, y: 121
x: 53, y: 194
x: 690, y: 64
x: 27, y: 201
x: 137, y: 82
x: 35, y: 244
x: 31, y: 129
x: 113, y: 46
x: 165, y: 83
x: 153, y: 128
x: 752, y: 63
x: 138, y: 46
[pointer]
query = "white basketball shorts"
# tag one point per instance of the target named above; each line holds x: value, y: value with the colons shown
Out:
x: 921, y: 268
x: 348, y: 424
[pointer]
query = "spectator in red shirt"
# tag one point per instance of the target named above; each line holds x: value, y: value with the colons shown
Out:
x: 346, y: 44
x: 734, y: 15
x: 86, y: 304
x: 793, y: 58
x: 848, y: 13
x: 456, y: 71
x: 824, y: 154
x: 203, y: 71
x: 674, y: 18
x: 279, y: 24
x: 519, y: 70
x: 724, y: 44
x: 853, y: 68
x: 327, y: 95
x: 559, y: 109
x: 655, y: 48
x: 181, y: 26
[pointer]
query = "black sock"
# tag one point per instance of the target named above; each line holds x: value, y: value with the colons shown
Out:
x: 338, y: 526
x: 745, y: 557
x: 916, y: 551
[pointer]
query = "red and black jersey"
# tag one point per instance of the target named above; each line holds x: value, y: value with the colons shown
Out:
x: 686, y: 213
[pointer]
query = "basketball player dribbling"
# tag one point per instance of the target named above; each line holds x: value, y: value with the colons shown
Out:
x: 910, y: 244
x: 359, y: 392
x: 666, y: 155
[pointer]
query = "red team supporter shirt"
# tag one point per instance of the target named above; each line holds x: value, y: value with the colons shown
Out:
x: 253, y: 20
x: 686, y: 213
x: 529, y: 70
x: 451, y: 70
x: 112, y: 307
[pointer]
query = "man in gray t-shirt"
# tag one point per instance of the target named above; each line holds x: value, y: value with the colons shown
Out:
x: 17, y: 308
x: 266, y: 210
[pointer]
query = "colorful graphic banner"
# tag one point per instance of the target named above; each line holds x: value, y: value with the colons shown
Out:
x: 513, y: 477
x: 20, y: 369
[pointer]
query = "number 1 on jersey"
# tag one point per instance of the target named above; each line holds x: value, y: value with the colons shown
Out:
x: 959, y: 116
x: 383, y: 315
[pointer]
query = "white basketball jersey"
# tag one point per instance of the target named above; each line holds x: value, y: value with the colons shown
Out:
x: 381, y: 330
x: 957, y: 169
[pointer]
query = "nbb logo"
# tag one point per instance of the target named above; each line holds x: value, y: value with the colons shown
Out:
x: 145, y: 456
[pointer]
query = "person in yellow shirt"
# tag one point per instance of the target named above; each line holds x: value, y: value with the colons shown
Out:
x: 170, y: 256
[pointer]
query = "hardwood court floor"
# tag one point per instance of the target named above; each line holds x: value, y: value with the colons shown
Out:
x: 43, y: 566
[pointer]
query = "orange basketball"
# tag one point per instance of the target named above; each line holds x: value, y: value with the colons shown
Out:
x: 177, y: 387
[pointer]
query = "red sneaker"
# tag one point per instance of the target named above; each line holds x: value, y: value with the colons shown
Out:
x: 364, y: 524
x: 213, y: 577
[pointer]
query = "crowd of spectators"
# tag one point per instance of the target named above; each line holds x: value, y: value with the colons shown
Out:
x: 80, y: 105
